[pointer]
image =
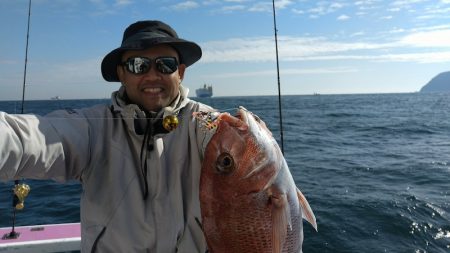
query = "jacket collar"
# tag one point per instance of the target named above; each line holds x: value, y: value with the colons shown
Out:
x: 129, y: 111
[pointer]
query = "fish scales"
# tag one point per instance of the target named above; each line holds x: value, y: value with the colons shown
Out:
x: 245, y: 227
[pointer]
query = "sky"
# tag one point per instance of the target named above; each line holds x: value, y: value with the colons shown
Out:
x: 325, y: 47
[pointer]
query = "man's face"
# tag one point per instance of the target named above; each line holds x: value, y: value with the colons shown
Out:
x: 152, y: 90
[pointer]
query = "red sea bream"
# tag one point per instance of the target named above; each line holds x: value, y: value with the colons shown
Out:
x: 249, y: 200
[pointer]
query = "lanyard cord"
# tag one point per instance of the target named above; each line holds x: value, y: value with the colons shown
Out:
x: 146, y: 148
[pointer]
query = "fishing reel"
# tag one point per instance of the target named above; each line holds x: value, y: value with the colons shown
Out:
x: 20, y: 193
x: 170, y: 122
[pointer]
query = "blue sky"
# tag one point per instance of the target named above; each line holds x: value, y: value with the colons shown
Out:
x: 326, y: 47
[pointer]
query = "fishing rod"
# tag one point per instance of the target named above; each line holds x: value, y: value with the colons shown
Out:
x: 20, y: 190
x: 26, y: 59
x: 278, y: 77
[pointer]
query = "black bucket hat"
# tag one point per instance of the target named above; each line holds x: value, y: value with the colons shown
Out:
x: 145, y: 34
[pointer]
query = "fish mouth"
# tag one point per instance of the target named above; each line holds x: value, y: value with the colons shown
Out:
x: 243, y: 114
x: 249, y: 119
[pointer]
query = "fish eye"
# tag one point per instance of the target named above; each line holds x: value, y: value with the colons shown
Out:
x: 258, y: 119
x: 225, y: 163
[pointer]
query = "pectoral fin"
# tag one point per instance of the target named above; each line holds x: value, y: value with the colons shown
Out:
x: 281, y: 220
x: 307, y: 212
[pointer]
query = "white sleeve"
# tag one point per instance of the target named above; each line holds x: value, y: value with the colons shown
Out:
x: 54, y: 147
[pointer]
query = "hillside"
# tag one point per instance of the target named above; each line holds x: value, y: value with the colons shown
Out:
x: 439, y: 83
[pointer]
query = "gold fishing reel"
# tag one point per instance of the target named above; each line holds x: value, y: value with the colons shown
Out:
x: 20, y: 193
x: 170, y: 122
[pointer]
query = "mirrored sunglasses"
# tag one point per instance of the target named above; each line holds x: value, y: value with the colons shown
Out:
x: 142, y: 65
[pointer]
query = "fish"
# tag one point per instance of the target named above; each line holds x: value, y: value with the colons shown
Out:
x: 249, y: 201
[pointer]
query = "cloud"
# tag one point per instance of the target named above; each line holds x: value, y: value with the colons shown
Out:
x: 386, y: 17
x: 261, y: 7
x: 282, y: 4
x: 437, y: 38
x: 290, y: 48
x: 238, y: 49
x: 298, y: 11
x: 268, y: 6
x: 436, y: 57
x: 232, y: 8
x: 441, y: 10
x: 291, y: 71
x: 406, y: 2
x: 187, y: 5
x: 324, y: 8
x: 426, y: 57
x: 51, y: 73
x: 123, y: 2
x: 360, y: 33
x: 434, y: 46
x: 368, y: 6
x: 343, y: 17
x: 394, y: 9
x: 236, y: 1
x: 396, y: 30
x: 104, y: 8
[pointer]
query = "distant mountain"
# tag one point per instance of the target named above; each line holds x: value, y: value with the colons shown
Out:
x: 439, y: 83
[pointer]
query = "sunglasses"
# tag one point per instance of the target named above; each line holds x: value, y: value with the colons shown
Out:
x: 141, y: 65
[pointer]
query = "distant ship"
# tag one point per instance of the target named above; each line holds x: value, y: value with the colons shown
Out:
x: 205, y: 92
x: 55, y: 98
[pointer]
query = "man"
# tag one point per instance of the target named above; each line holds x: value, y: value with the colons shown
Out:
x: 139, y: 169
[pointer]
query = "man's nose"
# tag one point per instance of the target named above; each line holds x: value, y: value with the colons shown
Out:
x: 153, y: 73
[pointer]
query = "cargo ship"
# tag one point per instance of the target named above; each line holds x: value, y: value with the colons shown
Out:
x: 204, y: 92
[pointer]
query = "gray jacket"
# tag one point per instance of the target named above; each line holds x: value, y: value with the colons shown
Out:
x: 102, y: 147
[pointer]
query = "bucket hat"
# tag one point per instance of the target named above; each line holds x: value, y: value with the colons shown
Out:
x: 143, y: 35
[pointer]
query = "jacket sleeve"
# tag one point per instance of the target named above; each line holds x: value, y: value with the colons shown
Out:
x: 55, y: 146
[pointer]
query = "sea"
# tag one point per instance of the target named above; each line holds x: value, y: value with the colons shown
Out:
x: 375, y: 168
